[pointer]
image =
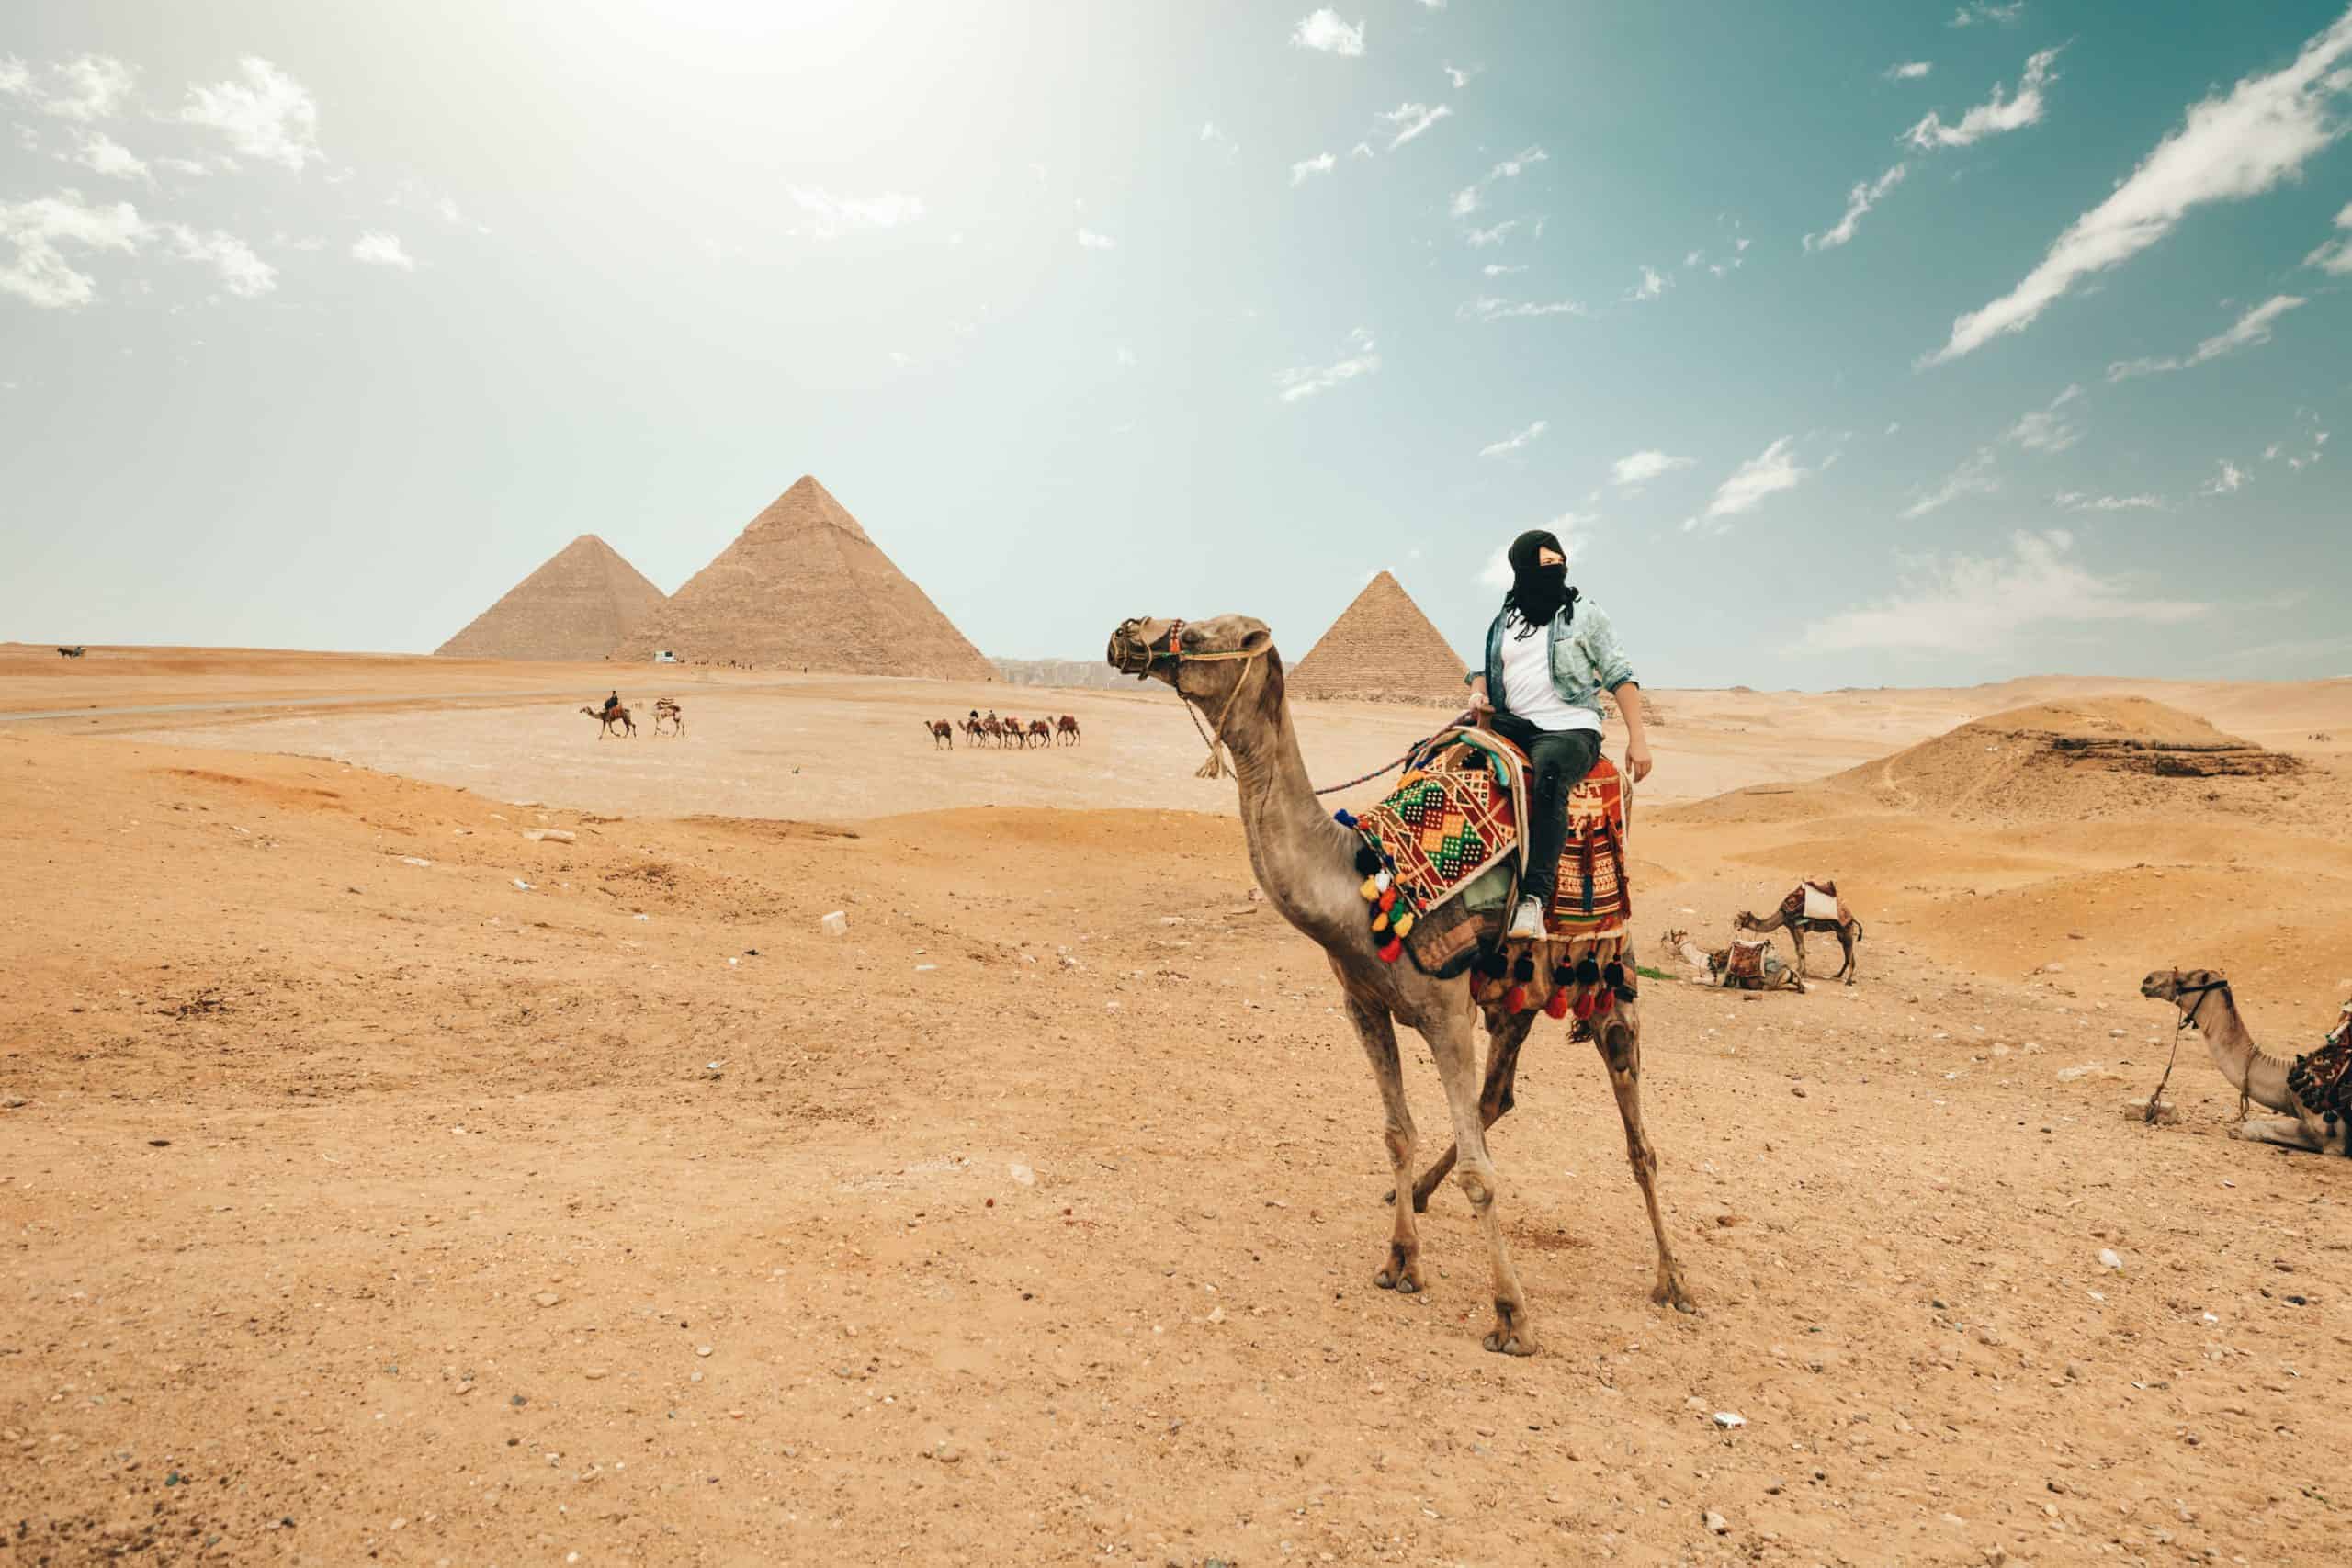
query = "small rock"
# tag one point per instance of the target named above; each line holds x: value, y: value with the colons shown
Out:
x: 948, y: 1453
x: 2107, y: 1260
x: 1022, y: 1174
x: 1727, y: 1420
x: 546, y: 1297
x: 702, y: 1350
x: 835, y: 923
x: 1717, y: 1523
x: 551, y: 835
x: 521, y: 885
x: 1069, y: 963
x: 415, y: 860
x: 596, y: 1374
x: 1797, y: 1090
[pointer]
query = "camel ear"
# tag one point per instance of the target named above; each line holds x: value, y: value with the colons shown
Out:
x: 1257, y: 641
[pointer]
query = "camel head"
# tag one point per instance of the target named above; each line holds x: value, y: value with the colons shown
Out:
x: 1746, y: 921
x: 2181, y: 986
x: 1205, y: 662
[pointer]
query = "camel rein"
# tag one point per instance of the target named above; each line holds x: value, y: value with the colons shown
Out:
x: 2188, y: 1021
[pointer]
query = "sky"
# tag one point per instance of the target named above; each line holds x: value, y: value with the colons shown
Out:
x: 1845, y: 343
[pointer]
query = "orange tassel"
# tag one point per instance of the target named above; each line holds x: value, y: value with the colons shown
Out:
x: 1557, y: 1004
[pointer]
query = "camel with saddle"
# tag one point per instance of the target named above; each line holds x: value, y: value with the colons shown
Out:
x: 1741, y: 965
x: 1813, y: 905
x: 606, y: 719
x: 667, y: 711
x: 2310, y: 1094
x: 1356, y: 888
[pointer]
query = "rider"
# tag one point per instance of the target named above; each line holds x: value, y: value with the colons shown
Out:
x: 612, y: 705
x: 1542, y: 693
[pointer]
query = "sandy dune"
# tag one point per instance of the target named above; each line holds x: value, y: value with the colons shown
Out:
x: 359, y: 1206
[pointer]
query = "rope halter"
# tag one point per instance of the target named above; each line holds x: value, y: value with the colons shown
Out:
x: 1133, y: 654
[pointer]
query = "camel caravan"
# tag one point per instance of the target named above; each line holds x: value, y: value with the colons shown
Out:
x: 615, y: 715
x: 988, y: 729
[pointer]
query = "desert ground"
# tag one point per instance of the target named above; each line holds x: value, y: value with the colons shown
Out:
x: 430, y: 1134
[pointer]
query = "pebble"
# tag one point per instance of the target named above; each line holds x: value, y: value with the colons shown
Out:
x: 702, y: 1350
x: 1727, y: 1420
x: 1797, y: 1090
x: 546, y: 1297
x: 555, y: 835
x: 1717, y: 1523
x: 594, y: 1373
x: 2107, y: 1260
x: 835, y: 923
x: 1022, y: 1174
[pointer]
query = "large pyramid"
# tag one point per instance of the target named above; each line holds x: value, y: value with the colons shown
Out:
x: 1382, y: 649
x: 576, y: 606
x: 802, y: 587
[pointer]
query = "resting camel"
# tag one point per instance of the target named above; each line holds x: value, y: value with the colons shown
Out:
x: 604, y: 721
x: 1790, y: 918
x: 2313, y: 1094
x: 668, y: 708
x: 1066, y: 730
x: 1228, y: 670
x: 942, y: 733
x: 1776, y: 975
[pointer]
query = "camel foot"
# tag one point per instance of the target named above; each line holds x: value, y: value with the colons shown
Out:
x: 1511, y: 1335
x: 1669, y: 1292
x: 1402, y: 1272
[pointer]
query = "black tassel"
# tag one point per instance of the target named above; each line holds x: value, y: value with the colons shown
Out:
x: 1614, y: 977
x: 1367, y: 861
x: 1587, y: 973
x: 1563, y: 976
x: 1493, y: 964
x: 1524, y: 971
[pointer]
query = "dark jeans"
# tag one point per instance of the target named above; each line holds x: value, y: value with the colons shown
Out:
x: 1558, y: 759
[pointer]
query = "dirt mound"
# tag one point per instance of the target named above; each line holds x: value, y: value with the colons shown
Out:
x: 2097, y: 757
x: 586, y: 598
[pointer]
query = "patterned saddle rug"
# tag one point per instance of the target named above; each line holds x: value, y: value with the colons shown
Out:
x: 1446, y: 854
x: 1745, y: 960
x: 2322, y: 1080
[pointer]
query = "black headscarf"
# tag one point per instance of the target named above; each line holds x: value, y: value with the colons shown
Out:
x: 1537, y: 592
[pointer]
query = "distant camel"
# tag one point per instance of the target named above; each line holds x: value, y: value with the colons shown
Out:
x: 993, y: 727
x: 942, y: 733
x: 1016, y: 732
x: 972, y: 731
x: 1069, y: 727
x: 668, y: 708
x: 75, y: 653
x: 1792, y: 917
x: 604, y: 721
x: 1041, y: 732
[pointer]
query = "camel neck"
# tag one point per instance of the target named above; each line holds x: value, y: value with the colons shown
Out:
x: 1302, y: 859
x: 2255, y: 1072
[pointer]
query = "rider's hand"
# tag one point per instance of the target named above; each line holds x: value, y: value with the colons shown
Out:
x: 1637, y: 761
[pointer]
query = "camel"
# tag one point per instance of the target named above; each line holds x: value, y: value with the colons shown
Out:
x: 1067, y: 727
x: 1041, y: 732
x: 1715, y: 965
x: 668, y: 708
x: 1228, y: 671
x: 942, y: 733
x: 604, y: 721
x: 2313, y: 1093
x: 1791, y: 916
x: 972, y: 732
x: 993, y: 730
x: 75, y: 653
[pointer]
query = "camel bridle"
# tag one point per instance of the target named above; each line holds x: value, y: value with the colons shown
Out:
x: 2188, y: 1021
x: 1132, y: 655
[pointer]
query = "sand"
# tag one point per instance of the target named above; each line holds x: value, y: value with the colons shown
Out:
x: 359, y: 1208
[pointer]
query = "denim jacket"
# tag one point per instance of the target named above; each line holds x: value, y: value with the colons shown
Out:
x: 1585, y: 656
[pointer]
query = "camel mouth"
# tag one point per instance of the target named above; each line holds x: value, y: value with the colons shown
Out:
x: 1130, y: 651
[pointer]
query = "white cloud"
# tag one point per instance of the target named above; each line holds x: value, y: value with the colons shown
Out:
x: 1497, y: 574
x: 39, y: 272
x: 2046, y: 430
x: 103, y: 155
x: 2229, y: 479
x: 1411, y: 119
x: 16, y: 77
x: 1434, y: 4
x: 1482, y: 238
x: 1514, y: 441
x: 2335, y: 256
x: 1641, y: 468
x: 2249, y: 329
x: 1217, y: 138
x: 2229, y: 147
x: 243, y: 273
x: 2075, y: 500
x: 94, y: 87
x: 380, y: 249
x: 1326, y: 32
x: 1967, y: 604
x: 1909, y: 70
x: 1361, y: 149
x: 267, y: 115
x: 1294, y: 385
x: 1973, y: 477
x: 830, y: 216
x: 1982, y: 11
x: 1492, y: 310
x: 1466, y: 200
x: 1652, y: 285
x: 1089, y: 239
x: 1768, y: 473
x: 1992, y: 118
x: 184, y: 165
x: 1459, y: 77
x: 1499, y: 269
x: 1861, y: 199
x: 1321, y: 163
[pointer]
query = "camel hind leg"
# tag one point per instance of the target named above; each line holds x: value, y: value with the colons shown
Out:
x: 1495, y: 1099
x: 1620, y: 1042
x: 1402, y: 1272
x: 2287, y: 1132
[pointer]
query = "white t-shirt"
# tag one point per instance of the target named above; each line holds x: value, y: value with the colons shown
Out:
x: 1528, y: 691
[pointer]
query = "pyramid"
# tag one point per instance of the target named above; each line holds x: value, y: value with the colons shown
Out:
x: 802, y: 587
x: 586, y: 598
x: 1382, y: 649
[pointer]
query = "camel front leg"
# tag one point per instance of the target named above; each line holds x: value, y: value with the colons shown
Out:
x: 1619, y: 1041
x: 1495, y: 1099
x: 1796, y: 940
x: 1513, y: 1333
x: 2287, y: 1132
x: 1402, y: 1272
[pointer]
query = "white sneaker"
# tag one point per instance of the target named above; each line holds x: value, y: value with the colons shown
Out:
x: 1526, y: 921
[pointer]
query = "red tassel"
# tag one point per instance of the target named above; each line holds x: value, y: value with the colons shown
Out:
x: 1515, y: 1000
x: 1391, y: 953
x: 1557, y: 1004
x: 1589, y: 1003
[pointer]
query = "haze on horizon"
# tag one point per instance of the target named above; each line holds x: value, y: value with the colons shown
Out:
x: 1846, y: 345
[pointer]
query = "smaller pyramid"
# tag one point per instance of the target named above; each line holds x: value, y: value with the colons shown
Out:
x: 576, y: 606
x: 1382, y: 649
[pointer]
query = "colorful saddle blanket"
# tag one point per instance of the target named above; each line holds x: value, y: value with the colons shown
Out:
x: 2322, y: 1080
x: 1451, y: 854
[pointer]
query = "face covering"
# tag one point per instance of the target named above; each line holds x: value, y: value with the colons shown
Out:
x: 1538, y: 593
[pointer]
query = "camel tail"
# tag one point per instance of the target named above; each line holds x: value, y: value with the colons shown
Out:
x: 1857, y: 933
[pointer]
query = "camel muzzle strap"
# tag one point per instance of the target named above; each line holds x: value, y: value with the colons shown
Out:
x: 2188, y: 1021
